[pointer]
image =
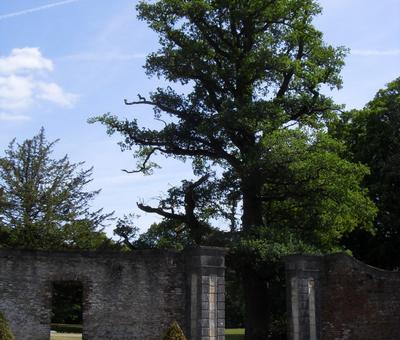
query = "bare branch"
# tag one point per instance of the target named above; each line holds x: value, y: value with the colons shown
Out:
x: 161, y: 212
x: 144, y: 164
x: 159, y: 105
x: 148, y: 102
x: 162, y: 121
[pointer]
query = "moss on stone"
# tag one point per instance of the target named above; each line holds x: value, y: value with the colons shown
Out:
x: 5, y: 330
x: 174, y: 333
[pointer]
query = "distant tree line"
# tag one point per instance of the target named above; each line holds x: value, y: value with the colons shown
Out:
x: 372, y: 137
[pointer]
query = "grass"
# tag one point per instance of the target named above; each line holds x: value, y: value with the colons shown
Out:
x: 234, y: 334
x: 66, y: 328
x: 230, y: 334
x: 65, y: 336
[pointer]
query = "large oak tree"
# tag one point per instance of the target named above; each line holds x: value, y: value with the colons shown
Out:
x: 251, y: 120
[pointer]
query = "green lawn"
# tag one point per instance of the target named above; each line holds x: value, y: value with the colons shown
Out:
x: 234, y: 334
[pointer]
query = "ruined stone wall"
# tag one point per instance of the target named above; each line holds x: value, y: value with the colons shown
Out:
x: 336, y: 297
x: 133, y: 295
x: 359, y: 302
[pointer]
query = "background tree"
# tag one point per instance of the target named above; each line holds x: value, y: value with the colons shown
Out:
x: 254, y: 70
x: 44, y: 204
x: 66, y: 303
x: 373, y: 138
x: 167, y: 234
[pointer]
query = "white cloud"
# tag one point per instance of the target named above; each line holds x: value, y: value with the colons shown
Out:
x: 24, y: 84
x: 54, y: 93
x: 13, y: 117
x: 362, y: 52
x: 24, y: 59
x: 15, y: 92
x: 35, y: 9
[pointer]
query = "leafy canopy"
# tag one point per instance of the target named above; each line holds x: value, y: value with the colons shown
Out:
x: 251, y: 121
x: 372, y: 136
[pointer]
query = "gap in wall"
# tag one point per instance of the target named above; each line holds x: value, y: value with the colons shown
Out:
x: 66, y: 308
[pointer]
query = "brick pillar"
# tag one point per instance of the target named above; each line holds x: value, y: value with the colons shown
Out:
x: 205, y: 270
x: 303, y: 274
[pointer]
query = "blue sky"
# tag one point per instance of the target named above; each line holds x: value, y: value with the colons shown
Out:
x: 62, y: 62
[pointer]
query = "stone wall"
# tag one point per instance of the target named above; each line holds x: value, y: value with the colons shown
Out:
x: 126, y: 296
x: 336, y: 297
x: 206, y: 279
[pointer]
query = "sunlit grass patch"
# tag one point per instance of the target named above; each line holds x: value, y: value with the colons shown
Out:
x: 234, y: 334
x: 65, y: 336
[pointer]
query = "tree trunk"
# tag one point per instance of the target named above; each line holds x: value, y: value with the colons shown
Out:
x: 256, y: 293
x: 257, y: 307
x: 252, y: 205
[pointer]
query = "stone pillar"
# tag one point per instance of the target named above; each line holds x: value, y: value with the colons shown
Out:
x: 205, y: 268
x: 303, y: 273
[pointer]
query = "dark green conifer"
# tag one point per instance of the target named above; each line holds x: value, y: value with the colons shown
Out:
x: 5, y: 330
x: 174, y: 333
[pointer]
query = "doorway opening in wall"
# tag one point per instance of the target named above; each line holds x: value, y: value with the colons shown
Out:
x: 66, y: 310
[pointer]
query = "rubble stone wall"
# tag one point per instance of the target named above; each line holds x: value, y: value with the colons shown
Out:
x: 126, y: 296
x: 336, y: 297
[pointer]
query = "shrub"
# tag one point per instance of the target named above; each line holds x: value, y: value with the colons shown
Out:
x: 5, y: 330
x: 174, y: 333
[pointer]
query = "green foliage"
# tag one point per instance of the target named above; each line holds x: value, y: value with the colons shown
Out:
x: 43, y: 202
x: 252, y: 122
x: 5, y: 330
x: 174, y: 333
x: 256, y: 69
x: 167, y: 234
x: 234, y: 297
x: 373, y: 138
x: 127, y: 232
x: 164, y: 235
x: 67, y: 300
x: 315, y: 196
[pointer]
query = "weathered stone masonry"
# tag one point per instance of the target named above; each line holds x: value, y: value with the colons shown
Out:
x: 336, y: 297
x: 207, y: 295
x: 132, y: 295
